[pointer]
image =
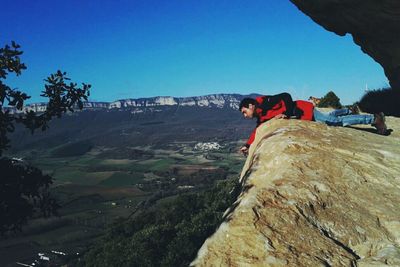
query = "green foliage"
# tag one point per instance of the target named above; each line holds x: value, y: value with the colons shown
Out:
x: 62, y: 97
x: 330, y: 100
x: 72, y: 149
x: 384, y: 100
x: 24, y: 192
x: 23, y: 189
x: 169, y: 235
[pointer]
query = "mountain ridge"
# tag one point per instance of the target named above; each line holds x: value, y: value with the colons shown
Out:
x: 212, y: 100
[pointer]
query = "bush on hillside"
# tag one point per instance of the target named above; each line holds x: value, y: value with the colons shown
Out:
x: 384, y: 100
x: 169, y: 235
x: 330, y: 100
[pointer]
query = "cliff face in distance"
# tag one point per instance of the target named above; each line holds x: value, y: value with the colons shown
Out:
x: 214, y: 100
x: 313, y: 195
x: 374, y: 25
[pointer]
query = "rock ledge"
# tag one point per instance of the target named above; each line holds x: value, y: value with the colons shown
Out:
x: 313, y: 195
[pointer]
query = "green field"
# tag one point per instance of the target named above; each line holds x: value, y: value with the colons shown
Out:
x: 94, y: 190
x: 122, y: 179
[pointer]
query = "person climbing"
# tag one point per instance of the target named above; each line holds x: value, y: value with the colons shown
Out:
x: 264, y: 108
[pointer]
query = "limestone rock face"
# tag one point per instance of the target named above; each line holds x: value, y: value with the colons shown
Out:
x: 374, y: 25
x: 313, y: 195
x: 212, y: 101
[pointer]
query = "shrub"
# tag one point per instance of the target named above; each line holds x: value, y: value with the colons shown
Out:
x: 169, y: 235
x: 330, y: 100
x: 381, y: 100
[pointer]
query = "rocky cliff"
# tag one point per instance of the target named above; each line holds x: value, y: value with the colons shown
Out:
x: 374, y: 25
x: 313, y: 195
x: 213, y: 100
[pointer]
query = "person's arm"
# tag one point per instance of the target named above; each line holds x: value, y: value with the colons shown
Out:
x: 287, y: 99
x: 245, y: 148
x: 251, y: 138
x: 270, y: 101
x: 297, y: 113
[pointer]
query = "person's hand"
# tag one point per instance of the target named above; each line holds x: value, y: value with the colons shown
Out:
x: 281, y: 116
x: 244, y: 150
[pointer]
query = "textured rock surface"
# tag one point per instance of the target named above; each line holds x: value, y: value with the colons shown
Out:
x: 374, y: 25
x: 314, y: 195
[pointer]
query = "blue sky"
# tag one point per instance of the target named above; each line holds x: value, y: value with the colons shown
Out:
x: 143, y: 48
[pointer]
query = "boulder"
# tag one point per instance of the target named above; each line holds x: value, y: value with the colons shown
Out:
x: 313, y: 195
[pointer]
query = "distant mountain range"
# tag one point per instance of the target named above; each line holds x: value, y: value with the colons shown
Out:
x: 214, y: 100
x: 156, y: 121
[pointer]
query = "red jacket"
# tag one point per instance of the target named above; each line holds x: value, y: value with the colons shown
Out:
x: 306, y: 110
x: 268, y: 107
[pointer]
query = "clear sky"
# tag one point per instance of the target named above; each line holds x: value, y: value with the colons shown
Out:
x: 143, y: 48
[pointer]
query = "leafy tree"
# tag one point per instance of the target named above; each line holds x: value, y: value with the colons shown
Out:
x: 330, y: 100
x: 23, y: 188
x: 24, y: 193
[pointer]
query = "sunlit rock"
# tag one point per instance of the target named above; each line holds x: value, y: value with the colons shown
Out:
x: 313, y: 195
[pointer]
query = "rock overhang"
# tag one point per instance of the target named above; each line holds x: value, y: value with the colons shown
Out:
x: 374, y: 25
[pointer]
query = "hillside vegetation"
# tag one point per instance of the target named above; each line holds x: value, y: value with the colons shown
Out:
x: 168, y: 234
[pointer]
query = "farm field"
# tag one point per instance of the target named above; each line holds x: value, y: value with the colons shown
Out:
x: 106, y: 184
